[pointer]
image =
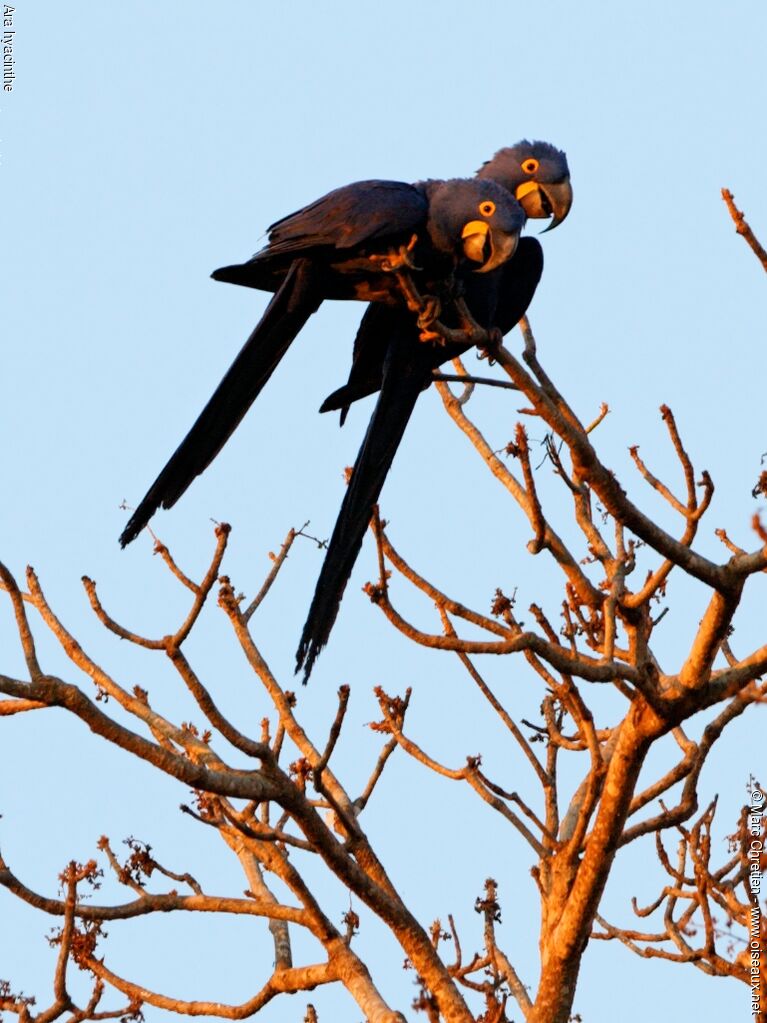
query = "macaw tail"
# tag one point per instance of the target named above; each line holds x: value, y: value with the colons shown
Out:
x: 407, y: 370
x: 292, y: 305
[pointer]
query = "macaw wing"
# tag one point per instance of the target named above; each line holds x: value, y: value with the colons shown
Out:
x: 365, y: 213
x: 359, y: 214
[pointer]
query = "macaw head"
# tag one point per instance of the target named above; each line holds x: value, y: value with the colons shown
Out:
x: 476, y: 220
x: 537, y: 175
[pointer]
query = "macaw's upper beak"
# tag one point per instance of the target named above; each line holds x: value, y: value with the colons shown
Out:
x: 482, y: 244
x: 546, y: 200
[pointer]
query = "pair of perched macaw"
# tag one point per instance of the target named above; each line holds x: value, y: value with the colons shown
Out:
x: 443, y: 267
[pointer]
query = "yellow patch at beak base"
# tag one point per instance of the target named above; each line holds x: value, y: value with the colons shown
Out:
x: 474, y: 235
x: 475, y: 227
x: 525, y: 189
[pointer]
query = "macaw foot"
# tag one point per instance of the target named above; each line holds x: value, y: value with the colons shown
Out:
x: 398, y: 259
x: 470, y: 332
x: 428, y: 310
x: 432, y: 337
x: 488, y: 349
x: 431, y: 307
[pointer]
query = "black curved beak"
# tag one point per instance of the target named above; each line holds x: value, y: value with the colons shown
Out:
x: 489, y: 246
x: 546, y: 200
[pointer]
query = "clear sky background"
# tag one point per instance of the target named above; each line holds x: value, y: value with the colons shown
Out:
x: 146, y: 144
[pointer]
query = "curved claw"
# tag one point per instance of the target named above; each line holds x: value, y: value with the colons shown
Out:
x: 398, y: 259
x: 432, y: 307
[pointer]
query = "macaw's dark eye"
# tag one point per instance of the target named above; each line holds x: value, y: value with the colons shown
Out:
x: 487, y: 208
x: 530, y: 166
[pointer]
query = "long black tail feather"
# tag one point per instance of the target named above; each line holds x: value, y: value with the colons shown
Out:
x: 292, y: 305
x: 406, y: 372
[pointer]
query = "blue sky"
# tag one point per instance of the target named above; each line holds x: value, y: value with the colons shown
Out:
x: 144, y: 145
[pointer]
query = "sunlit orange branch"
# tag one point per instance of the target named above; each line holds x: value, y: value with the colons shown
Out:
x: 743, y: 229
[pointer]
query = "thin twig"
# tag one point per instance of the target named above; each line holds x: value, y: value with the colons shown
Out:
x: 743, y: 229
x: 459, y: 378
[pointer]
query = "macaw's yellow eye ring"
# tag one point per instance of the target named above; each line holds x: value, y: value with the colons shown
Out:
x: 487, y: 208
x: 530, y: 166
